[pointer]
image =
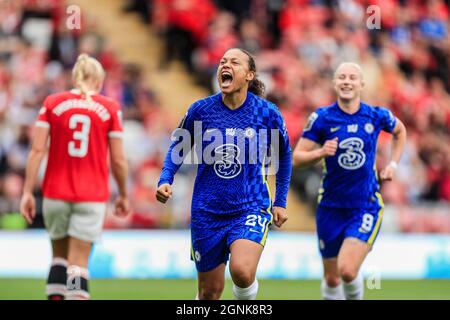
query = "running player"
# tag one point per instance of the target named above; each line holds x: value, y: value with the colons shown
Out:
x: 231, y: 206
x: 350, y: 208
x: 80, y: 125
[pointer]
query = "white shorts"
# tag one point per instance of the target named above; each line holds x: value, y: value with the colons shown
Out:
x: 81, y: 220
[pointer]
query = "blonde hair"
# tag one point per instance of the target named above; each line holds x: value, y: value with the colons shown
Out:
x: 350, y: 64
x: 86, y: 68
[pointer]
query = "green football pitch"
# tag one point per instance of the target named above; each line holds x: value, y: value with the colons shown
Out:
x: 152, y: 289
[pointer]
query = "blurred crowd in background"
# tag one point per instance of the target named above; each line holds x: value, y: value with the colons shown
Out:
x: 297, y: 45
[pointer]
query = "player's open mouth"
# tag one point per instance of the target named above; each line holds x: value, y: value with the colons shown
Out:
x: 346, y: 89
x: 226, y: 78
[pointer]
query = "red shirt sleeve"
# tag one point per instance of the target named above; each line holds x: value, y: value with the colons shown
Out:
x: 115, y: 128
x: 43, y: 119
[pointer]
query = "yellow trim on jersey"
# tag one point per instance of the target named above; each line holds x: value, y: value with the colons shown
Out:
x: 380, y: 217
x: 264, y: 177
x: 192, y: 250
x: 376, y: 172
x: 321, y: 189
x: 263, y: 240
x: 265, y: 181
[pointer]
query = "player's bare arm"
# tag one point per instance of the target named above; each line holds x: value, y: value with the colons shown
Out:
x: 119, y: 167
x: 308, y: 152
x: 37, y: 153
x: 164, y: 192
x: 398, y: 144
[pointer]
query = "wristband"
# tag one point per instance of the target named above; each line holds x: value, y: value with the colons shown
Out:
x: 393, y: 164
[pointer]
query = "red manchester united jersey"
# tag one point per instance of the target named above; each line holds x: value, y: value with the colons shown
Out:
x: 77, y: 167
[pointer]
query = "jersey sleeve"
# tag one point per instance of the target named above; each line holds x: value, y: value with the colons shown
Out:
x: 283, y: 175
x: 43, y: 119
x: 183, y: 134
x: 387, y: 119
x: 312, y: 130
x: 115, y: 128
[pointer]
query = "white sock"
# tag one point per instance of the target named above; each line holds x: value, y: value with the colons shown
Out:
x: 332, y: 293
x: 248, y: 293
x: 354, y: 290
x: 196, y: 297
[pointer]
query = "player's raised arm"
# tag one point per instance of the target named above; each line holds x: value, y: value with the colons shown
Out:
x: 37, y: 153
x: 398, y: 144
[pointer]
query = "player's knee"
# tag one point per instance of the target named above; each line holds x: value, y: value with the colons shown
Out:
x: 211, y: 291
x: 242, y: 277
x: 348, y: 273
x: 332, y: 280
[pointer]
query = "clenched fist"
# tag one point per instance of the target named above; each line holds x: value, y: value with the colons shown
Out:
x: 388, y: 173
x: 164, y: 192
x: 279, y: 216
x: 329, y: 148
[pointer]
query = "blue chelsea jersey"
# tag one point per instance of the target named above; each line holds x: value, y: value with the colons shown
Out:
x: 235, y: 180
x: 350, y: 178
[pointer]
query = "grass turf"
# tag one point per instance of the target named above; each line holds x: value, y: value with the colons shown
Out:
x: 153, y: 289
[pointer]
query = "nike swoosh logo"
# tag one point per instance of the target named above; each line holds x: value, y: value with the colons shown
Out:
x: 251, y: 230
x: 210, y: 130
x: 335, y: 129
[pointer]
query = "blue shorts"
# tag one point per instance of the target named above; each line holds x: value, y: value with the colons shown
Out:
x: 336, y: 224
x: 213, y: 234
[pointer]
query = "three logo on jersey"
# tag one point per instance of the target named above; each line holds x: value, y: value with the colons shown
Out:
x: 354, y: 157
x: 228, y: 149
x: 229, y: 165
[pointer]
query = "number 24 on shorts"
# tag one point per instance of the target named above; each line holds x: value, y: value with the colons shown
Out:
x: 251, y: 221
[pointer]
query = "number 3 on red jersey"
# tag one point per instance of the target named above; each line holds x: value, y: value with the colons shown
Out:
x: 82, y: 136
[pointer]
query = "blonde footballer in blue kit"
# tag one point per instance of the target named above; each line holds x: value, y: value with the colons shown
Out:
x: 350, y: 208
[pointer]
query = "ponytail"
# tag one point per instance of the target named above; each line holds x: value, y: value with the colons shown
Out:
x: 80, y: 76
x: 86, y: 68
x: 257, y: 87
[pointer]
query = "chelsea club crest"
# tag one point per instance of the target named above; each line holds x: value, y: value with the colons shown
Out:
x: 368, y: 127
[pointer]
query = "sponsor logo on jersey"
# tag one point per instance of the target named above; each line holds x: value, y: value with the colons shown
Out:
x: 227, y: 149
x: 230, y: 132
x: 229, y: 165
x: 352, y: 128
x: 354, y: 157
